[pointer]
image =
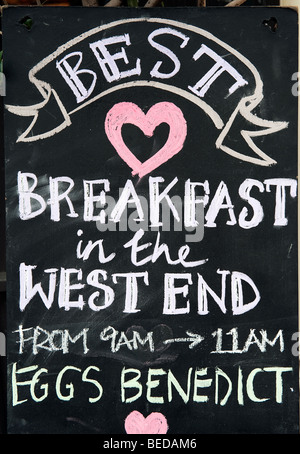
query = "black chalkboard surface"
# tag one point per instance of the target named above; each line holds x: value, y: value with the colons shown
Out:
x: 151, y: 185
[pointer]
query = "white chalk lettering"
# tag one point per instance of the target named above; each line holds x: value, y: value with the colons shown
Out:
x: 71, y: 76
x: 90, y: 199
x: 107, y: 61
x: 120, y: 339
x: 131, y: 297
x: 33, y: 201
x: 166, y: 51
x: 133, y: 383
x: 281, y: 184
x: 218, y: 68
x: 233, y: 341
x: 97, y: 301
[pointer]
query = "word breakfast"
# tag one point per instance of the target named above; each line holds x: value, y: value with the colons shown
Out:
x: 33, y: 204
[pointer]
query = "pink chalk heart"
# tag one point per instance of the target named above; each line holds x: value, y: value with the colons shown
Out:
x: 162, y: 112
x: 155, y: 423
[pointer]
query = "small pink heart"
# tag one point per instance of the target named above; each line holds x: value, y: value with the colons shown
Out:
x: 155, y: 423
x: 162, y: 112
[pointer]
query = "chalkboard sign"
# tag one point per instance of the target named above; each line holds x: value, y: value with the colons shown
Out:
x: 151, y: 185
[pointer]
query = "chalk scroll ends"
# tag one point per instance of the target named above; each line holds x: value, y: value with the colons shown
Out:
x: 107, y: 78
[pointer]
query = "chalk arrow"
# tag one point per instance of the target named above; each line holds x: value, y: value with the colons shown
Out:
x: 195, y: 339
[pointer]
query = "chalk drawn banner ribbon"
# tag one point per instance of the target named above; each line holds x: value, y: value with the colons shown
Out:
x: 67, y: 65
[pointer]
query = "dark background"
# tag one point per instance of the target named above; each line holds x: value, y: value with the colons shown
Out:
x: 2, y: 227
